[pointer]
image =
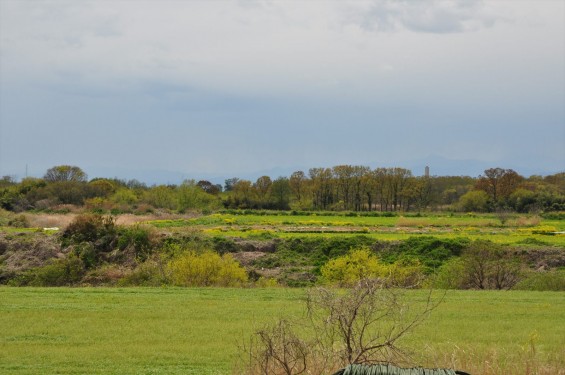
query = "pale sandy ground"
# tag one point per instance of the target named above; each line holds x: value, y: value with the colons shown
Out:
x: 61, y: 221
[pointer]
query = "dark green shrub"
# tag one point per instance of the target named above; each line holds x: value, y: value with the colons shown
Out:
x: 87, y: 253
x: 98, y: 229
x: 553, y: 215
x: 533, y: 241
x: 432, y: 252
x: 224, y: 245
x: 148, y: 273
x: 140, y: 239
x: 61, y: 272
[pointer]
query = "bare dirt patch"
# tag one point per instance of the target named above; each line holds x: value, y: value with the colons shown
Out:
x: 50, y: 220
x: 61, y: 221
x: 246, y: 258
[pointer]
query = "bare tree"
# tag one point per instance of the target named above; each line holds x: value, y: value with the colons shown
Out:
x: 364, y: 324
x: 277, y: 350
x: 360, y: 325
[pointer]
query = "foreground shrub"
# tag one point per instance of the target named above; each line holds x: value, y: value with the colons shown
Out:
x: 525, y: 359
x: 206, y: 269
x: 363, y: 324
x: 277, y: 350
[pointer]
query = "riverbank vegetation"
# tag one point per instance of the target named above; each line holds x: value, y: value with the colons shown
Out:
x: 342, y: 188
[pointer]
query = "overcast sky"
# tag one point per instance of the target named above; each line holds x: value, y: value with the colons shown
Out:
x: 235, y: 87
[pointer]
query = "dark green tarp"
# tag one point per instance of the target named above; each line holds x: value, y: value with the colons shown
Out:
x: 391, y: 370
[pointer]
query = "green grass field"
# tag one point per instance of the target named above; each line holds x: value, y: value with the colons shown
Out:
x: 197, y: 331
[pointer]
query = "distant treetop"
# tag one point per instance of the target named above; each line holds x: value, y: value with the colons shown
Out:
x: 62, y: 173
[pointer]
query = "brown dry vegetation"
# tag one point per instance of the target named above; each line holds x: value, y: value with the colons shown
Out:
x: 23, y: 251
x: 50, y: 220
x: 525, y: 361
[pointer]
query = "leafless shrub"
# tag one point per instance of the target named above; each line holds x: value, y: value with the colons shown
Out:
x: 362, y: 324
x: 278, y: 350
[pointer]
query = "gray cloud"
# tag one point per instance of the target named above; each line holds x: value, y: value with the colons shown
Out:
x: 428, y: 16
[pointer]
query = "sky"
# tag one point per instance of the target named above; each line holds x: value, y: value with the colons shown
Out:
x: 166, y: 90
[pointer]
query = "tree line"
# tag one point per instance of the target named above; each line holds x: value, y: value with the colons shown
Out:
x: 339, y: 188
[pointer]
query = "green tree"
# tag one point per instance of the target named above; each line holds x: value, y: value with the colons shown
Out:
x: 101, y: 187
x: 192, y: 197
x: 230, y: 183
x: 474, y: 200
x: 162, y: 196
x: 322, y: 187
x: 62, y: 173
x: 125, y: 196
x: 209, y: 187
x: 297, y: 184
x: 499, y: 183
x: 263, y: 189
x: 280, y: 193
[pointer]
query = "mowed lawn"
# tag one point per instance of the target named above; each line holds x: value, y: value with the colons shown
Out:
x: 197, y: 331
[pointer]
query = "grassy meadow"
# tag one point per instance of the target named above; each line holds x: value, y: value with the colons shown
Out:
x: 197, y: 330
x: 510, y: 230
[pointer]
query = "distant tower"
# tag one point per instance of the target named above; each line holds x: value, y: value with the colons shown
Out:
x: 427, y: 171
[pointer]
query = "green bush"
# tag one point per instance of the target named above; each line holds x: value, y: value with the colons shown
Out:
x: 449, y: 276
x: 61, y: 272
x: 362, y: 264
x: 148, y: 273
x: 358, y: 265
x: 553, y: 215
x: 431, y: 252
x: 98, y: 229
x: 19, y: 221
x: 86, y: 252
x: 206, y: 269
x: 141, y: 239
x: 12, y: 220
x: 542, y: 281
